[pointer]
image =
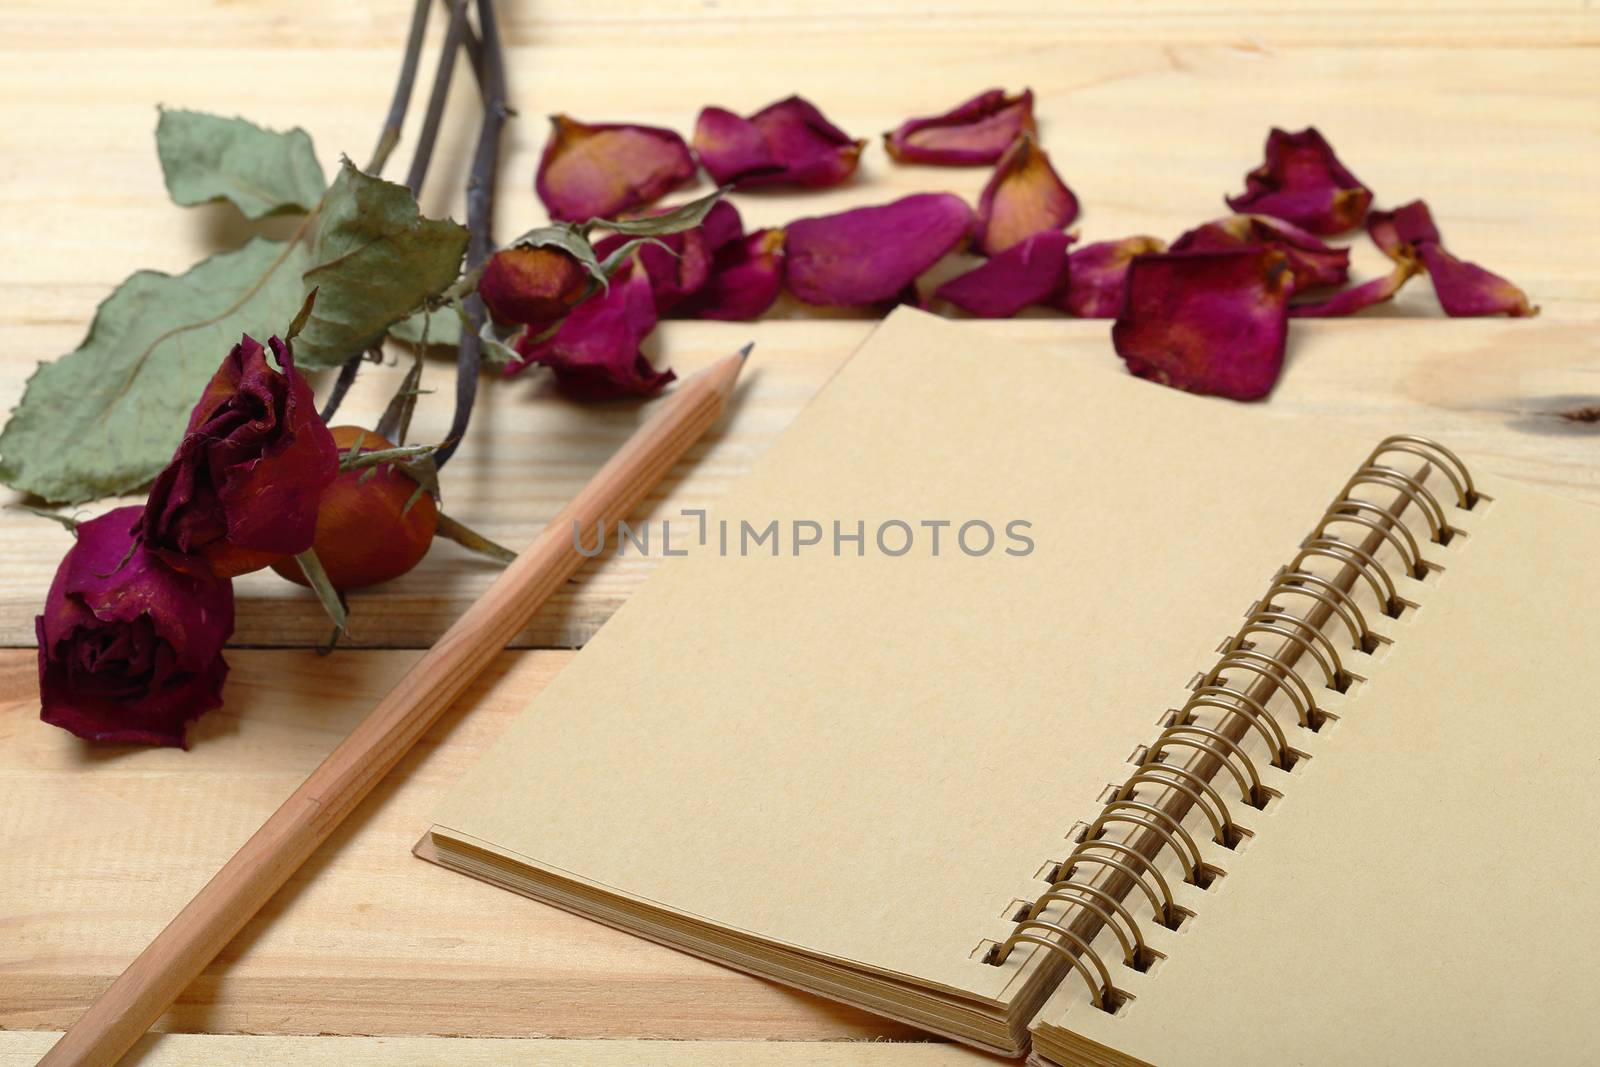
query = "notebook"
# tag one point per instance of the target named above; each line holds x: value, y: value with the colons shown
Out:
x: 1008, y: 691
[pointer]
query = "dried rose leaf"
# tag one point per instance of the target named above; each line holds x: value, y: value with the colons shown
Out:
x: 680, y: 264
x: 870, y: 255
x: 592, y: 171
x: 1097, y: 275
x: 1024, y: 196
x: 1465, y: 290
x: 746, y: 277
x: 1208, y: 322
x: 1312, y: 261
x: 1029, y: 272
x: 129, y: 649
x: 594, y: 353
x: 971, y: 134
x: 1303, y: 182
x: 788, y: 143
x: 1358, y: 297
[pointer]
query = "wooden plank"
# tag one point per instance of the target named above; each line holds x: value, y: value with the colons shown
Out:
x: 108, y: 843
x: 23, y: 1048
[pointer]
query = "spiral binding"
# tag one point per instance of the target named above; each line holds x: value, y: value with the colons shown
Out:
x: 1183, y: 788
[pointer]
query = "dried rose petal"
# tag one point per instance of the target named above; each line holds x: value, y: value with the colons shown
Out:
x: 789, y: 142
x: 1311, y: 260
x: 1024, y: 196
x: 525, y: 286
x: 601, y: 171
x: 243, y: 486
x: 1208, y: 322
x: 684, y: 265
x: 1464, y: 289
x: 746, y: 277
x: 1029, y: 272
x: 974, y: 133
x: 869, y: 255
x: 129, y: 649
x: 594, y: 353
x: 1357, y: 297
x: 1303, y: 182
x: 1097, y: 275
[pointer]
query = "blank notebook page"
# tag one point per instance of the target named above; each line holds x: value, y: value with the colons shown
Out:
x: 871, y: 758
x: 1425, y: 892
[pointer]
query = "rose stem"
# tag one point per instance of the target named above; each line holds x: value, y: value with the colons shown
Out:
x: 436, y: 99
x: 389, y: 136
x: 480, y: 217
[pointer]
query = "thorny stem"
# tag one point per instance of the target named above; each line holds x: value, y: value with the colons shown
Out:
x: 436, y: 99
x: 480, y: 218
x: 389, y: 136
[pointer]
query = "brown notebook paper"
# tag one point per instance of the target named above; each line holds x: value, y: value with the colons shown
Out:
x: 877, y: 767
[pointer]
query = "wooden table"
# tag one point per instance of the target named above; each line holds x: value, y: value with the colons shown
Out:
x: 1489, y: 109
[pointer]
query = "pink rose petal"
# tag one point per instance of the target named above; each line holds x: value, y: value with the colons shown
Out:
x: 870, y: 255
x: 1030, y: 272
x: 789, y: 143
x: 1312, y: 261
x: 600, y: 171
x: 746, y: 277
x: 684, y: 265
x: 1097, y: 275
x: 1024, y: 196
x: 1465, y: 290
x: 971, y: 134
x: 1357, y: 297
x: 595, y: 353
x: 1208, y: 322
x: 1303, y: 182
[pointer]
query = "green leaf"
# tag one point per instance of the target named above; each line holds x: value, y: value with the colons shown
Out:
x: 107, y: 417
x: 377, y: 259
x: 444, y: 330
x: 261, y: 172
x: 677, y: 220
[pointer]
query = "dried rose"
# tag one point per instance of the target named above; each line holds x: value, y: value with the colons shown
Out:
x: 974, y: 133
x: 525, y: 286
x: 1029, y: 272
x: 786, y: 143
x: 129, y: 649
x: 746, y: 277
x: 1303, y: 182
x: 242, y: 488
x: 681, y: 263
x: 374, y: 525
x: 1097, y: 275
x: 870, y: 255
x: 604, y: 170
x: 594, y: 353
x: 1311, y: 260
x: 1464, y: 289
x: 1208, y: 322
x: 1024, y: 196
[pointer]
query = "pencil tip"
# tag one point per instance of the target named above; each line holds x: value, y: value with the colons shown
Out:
x: 744, y: 353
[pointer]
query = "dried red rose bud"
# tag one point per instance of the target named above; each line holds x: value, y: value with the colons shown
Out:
x: 971, y: 134
x: 1029, y: 272
x: 786, y: 143
x: 1311, y: 260
x: 1208, y: 322
x: 374, y: 524
x: 524, y: 286
x: 129, y: 649
x: 1097, y: 275
x: 684, y: 264
x: 1024, y: 196
x: 1408, y: 234
x: 871, y: 255
x: 242, y: 488
x: 1303, y: 182
x: 600, y: 171
x: 746, y: 277
x: 594, y: 354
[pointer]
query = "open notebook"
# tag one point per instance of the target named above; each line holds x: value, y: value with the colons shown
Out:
x: 1115, y: 740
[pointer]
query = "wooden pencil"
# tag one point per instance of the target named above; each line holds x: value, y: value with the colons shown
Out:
x: 180, y: 952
